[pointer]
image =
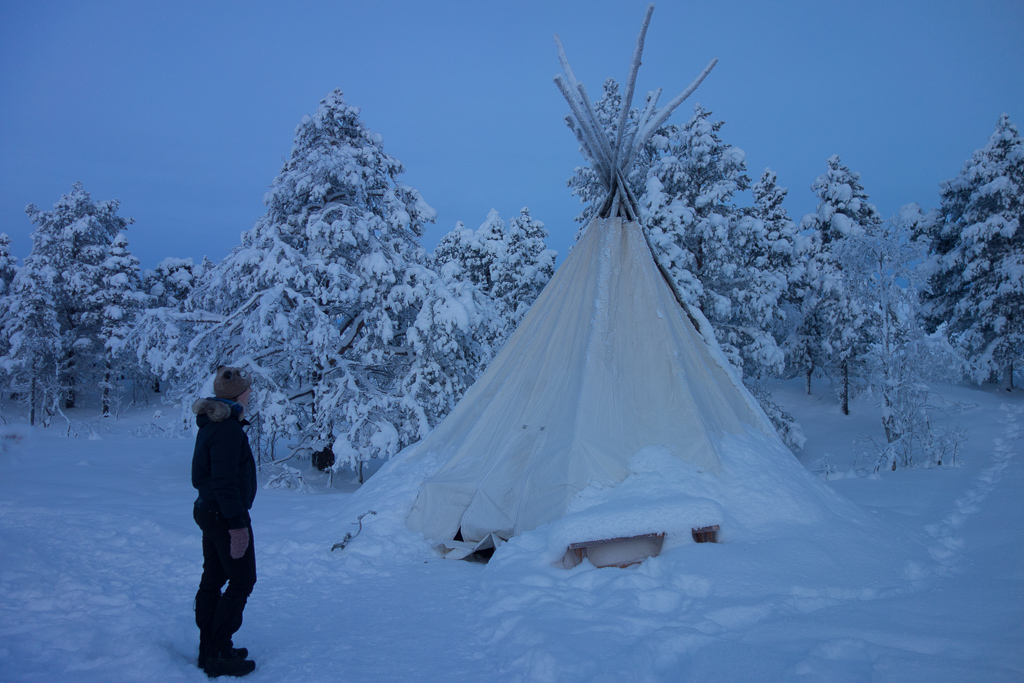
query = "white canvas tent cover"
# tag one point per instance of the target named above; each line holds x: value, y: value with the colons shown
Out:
x: 606, y: 363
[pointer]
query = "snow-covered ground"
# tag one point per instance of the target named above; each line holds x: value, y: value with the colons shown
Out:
x: 99, y: 561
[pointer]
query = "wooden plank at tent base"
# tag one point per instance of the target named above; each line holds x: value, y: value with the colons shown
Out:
x: 705, y: 534
x: 614, y: 552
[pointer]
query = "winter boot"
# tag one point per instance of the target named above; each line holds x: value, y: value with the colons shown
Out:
x: 234, y: 653
x: 227, y: 664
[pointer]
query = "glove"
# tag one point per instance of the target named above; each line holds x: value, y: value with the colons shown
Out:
x: 239, y: 542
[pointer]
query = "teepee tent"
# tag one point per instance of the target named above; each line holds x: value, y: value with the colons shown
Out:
x: 608, y: 363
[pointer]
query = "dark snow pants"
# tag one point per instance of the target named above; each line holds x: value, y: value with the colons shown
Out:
x: 218, y: 615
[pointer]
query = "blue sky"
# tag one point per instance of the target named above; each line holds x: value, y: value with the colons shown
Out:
x: 185, y: 110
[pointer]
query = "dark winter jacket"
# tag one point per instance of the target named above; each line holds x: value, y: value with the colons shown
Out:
x: 223, y: 469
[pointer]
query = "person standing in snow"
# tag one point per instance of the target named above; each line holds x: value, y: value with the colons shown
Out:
x: 224, y: 473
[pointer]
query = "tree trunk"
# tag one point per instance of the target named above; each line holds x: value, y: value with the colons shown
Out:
x: 67, y: 377
x: 889, y: 422
x: 107, y: 375
x: 156, y: 385
x: 844, y: 392
x: 810, y: 371
x: 1011, y: 376
x: 32, y: 403
x: 69, y: 389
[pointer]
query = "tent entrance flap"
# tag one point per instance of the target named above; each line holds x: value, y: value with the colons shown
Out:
x: 479, y: 551
x: 614, y: 552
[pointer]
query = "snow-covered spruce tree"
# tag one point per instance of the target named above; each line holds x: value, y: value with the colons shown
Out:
x: 169, y: 286
x: 487, y: 280
x: 450, y: 343
x: 317, y: 300
x: 526, y: 269
x: 8, y: 269
x: 8, y: 264
x: 34, y: 344
x: 976, y: 267
x: 72, y: 241
x: 766, y: 300
x: 120, y: 301
x: 508, y: 264
x: 450, y: 249
x: 832, y: 335
x: 172, y: 281
x: 471, y: 258
x: 482, y: 251
x: 584, y: 182
x: 805, y: 347
x: 692, y: 220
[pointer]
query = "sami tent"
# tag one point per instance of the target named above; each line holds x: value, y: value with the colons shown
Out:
x: 608, y: 366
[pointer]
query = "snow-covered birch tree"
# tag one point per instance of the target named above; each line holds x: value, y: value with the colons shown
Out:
x: 900, y: 358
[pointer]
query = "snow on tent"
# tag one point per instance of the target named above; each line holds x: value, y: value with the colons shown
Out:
x: 610, y: 410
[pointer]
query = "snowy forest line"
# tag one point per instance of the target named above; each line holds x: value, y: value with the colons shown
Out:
x: 362, y: 341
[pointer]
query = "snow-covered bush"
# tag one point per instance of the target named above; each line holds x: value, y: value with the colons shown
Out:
x: 285, y: 477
